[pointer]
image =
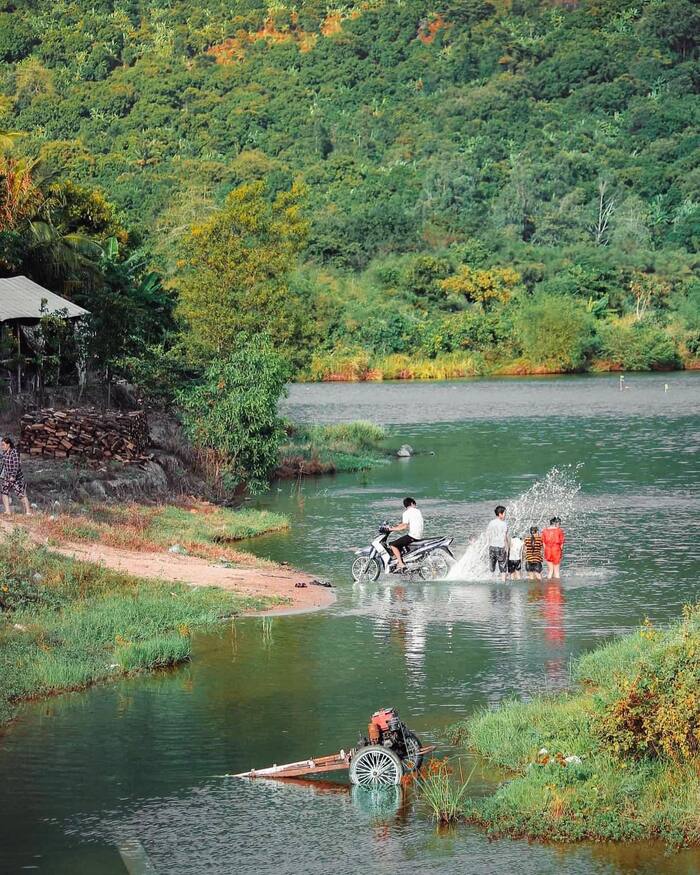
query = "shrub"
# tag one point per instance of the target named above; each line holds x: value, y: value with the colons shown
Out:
x: 555, y: 330
x: 637, y: 345
x: 233, y: 412
x: 657, y: 711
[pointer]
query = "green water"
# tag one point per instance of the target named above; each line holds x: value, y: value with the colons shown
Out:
x: 136, y: 761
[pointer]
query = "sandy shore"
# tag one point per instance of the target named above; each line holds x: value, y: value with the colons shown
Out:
x: 250, y: 581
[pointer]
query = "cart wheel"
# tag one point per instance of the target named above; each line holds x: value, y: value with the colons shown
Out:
x: 413, y: 759
x: 435, y: 566
x: 375, y: 766
x: 364, y: 568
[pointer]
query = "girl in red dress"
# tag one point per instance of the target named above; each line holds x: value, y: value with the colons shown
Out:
x: 553, y: 540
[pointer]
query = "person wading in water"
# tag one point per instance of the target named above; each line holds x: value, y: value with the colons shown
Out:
x: 12, y: 476
x: 533, y: 554
x: 499, y: 542
x: 553, y: 539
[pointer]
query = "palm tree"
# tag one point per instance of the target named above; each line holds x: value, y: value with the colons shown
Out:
x: 31, y: 208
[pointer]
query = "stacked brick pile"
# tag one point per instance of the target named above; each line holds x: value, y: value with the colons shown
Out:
x: 58, y: 434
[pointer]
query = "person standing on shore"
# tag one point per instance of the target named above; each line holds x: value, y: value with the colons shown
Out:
x: 498, y: 539
x: 553, y: 539
x: 533, y: 554
x: 12, y: 476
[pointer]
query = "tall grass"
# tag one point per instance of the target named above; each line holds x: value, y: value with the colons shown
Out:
x: 442, y: 790
x: 358, y: 365
x: 67, y: 624
x: 512, y: 735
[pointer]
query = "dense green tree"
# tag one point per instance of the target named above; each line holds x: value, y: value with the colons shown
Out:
x: 558, y: 141
x: 237, y: 273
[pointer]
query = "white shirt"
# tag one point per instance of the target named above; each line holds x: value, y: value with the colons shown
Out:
x: 497, y: 532
x: 414, y: 518
x: 516, y: 549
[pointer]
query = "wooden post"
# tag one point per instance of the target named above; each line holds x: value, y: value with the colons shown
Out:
x: 19, y: 360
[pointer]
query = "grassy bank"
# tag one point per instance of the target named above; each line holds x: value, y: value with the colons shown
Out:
x: 631, y: 732
x: 200, y: 528
x: 66, y: 624
x: 327, y: 449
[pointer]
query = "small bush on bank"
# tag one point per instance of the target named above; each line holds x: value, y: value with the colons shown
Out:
x: 654, y: 710
x: 326, y: 449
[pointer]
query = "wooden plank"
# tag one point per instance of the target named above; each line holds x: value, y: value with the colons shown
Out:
x: 333, y: 763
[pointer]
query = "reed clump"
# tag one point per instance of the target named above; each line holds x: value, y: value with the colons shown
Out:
x: 328, y: 449
x: 66, y: 624
x: 618, y: 759
x: 358, y: 366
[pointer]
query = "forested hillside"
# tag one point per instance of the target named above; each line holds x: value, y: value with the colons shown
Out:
x: 402, y: 188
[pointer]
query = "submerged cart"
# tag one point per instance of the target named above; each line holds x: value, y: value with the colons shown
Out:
x: 381, y: 758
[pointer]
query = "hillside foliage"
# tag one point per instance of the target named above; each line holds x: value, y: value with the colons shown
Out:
x: 492, y: 185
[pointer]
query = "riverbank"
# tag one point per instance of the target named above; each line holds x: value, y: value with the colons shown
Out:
x: 67, y: 624
x: 84, y: 600
x: 188, y: 545
x: 618, y: 759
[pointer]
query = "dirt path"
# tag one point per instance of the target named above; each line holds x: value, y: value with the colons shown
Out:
x: 275, y: 581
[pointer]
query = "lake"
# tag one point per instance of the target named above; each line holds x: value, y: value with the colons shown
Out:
x: 135, y: 764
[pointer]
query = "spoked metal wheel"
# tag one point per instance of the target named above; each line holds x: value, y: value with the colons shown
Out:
x: 413, y: 759
x: 435, y: 566
x: 375, y: 766
x: 365, y: 568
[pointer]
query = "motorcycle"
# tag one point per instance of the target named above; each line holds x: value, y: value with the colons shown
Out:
x: 430, y: 557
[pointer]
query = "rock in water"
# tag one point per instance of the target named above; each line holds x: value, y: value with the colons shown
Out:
x: 405, y: 451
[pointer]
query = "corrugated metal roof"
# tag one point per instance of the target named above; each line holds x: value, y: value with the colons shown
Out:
x: 21, y: 298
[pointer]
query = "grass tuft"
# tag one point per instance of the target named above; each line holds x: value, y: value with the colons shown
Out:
x: 442, y: 790
x: 328, y: 449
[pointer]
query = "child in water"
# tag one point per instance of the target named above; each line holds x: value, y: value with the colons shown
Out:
x: 515, y: 557
x: 553, y: 540
x: 533, y: 554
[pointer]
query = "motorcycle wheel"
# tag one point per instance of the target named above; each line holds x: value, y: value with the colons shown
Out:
x: 365, y: 568
x: 435, y: 566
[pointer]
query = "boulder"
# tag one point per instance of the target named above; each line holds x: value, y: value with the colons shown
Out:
x: 405, y: 451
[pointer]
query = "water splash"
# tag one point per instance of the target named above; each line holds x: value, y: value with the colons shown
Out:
x: 554, y: 495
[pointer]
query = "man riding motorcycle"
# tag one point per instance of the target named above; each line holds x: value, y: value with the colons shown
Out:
x: 411, y: 523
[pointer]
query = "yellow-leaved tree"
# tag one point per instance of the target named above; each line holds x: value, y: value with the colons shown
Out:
x: 236, y: 272
x: 481, y: 286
